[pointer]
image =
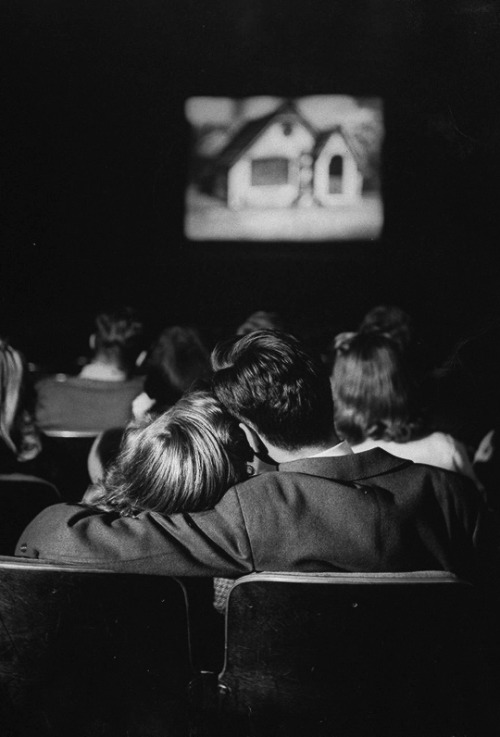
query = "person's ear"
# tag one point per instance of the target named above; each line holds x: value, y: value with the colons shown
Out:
x: 92, y: 342
x: 253, y: 439
x: 262, y: 461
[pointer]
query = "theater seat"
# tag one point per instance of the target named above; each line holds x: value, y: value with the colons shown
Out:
x: 22, y: 497
x: 86, y: 653
x: 68, y: 452
x: 352, y: 654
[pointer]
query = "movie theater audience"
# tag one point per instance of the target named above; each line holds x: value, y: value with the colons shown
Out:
x: 101, y: 395
x: 325, y: 508
x: 376, y: 405
x: 181, y: 491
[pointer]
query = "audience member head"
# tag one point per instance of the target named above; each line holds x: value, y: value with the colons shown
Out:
x: 177, y: 360
x: 390, y: 320
x: 182, y: 461
x: 276, y: 389
x: 118, y: 337
x: 261, y: 320
x: 372, y: 389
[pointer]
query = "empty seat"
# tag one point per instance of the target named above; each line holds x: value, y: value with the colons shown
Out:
x: 352, y: 654
x: 22, y: 497
x: 86, y: 653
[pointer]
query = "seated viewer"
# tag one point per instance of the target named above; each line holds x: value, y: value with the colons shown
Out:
x: 324, y: 509
x: 101, y: 396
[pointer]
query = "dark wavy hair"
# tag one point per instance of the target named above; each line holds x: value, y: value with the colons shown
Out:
x: 269, y: 381
x: 182, y: 461
x: 177, y: 361
x: 373, y: 390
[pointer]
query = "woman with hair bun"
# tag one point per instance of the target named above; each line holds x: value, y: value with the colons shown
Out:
x: 374, y: 393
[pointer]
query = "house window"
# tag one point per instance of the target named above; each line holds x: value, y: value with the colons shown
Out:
x: 335, y: 172
x: 269, y: 172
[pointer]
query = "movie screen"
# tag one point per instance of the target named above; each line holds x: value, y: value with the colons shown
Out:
x: 268, y: 168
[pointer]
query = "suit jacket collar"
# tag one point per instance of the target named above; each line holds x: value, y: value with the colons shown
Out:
x: 351, y: 467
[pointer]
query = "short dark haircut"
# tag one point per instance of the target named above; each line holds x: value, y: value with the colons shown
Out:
x: 373, y: 390
x: 268, y: 380
x: 119, y: 334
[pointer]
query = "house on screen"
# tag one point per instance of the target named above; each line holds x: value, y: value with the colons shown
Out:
x: 337, y: 175
x: 280, y: 160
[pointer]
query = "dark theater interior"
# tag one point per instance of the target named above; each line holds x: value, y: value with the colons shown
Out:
x: 95, y: 148
x: 102, y: 175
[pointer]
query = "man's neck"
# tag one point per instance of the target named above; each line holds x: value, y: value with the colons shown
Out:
x: 281, y: 455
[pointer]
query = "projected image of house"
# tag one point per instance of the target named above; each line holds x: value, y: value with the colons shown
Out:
x: 298, y: 172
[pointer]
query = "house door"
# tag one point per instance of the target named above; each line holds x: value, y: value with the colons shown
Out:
x: 335, y: 175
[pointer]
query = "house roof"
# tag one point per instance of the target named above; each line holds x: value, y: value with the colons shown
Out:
x: 251, y: 130
x: 325, y: 136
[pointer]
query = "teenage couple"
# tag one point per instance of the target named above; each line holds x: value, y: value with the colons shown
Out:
x: 183, y: 497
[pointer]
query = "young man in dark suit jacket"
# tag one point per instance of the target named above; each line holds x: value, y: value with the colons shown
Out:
x: 323, y: 509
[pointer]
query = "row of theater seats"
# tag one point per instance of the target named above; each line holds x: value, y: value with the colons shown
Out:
x: 93, y: 653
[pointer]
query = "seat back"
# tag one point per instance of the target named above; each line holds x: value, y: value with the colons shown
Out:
x: 22, y: 497
x: 68, y: 452
x: 349, y: 654
x: 91, y: 653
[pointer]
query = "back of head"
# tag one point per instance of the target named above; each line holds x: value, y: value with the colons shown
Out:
x: 390, y: 320
x: 119, y: 336
x: 261, y: 320
x: 267, y: 380
x: 372, y: 389
x: 176, y: 361
x: 182, y: 461
x: 11, y: 388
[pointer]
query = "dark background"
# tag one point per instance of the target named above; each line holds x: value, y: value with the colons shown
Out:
x: 95, y: 144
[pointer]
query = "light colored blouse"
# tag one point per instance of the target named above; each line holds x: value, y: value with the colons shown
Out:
x: 437, y: 449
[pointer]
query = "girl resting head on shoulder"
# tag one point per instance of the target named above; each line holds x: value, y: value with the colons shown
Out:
x: 182, y: 461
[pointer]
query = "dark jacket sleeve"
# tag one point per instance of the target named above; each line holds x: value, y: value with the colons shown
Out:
x: 212, y: 543
x: 472, y: 531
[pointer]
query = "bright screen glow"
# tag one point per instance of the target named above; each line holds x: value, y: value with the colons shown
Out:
x: 266, y: 168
